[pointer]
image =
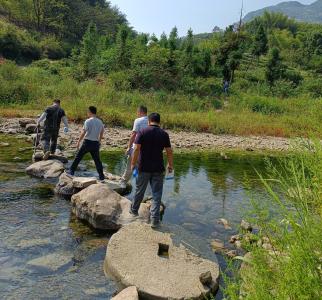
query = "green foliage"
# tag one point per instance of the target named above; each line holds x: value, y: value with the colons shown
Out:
x: 12, y: 87
x: 275, y: 68
x: 292, y: 269
x: 260, y: 44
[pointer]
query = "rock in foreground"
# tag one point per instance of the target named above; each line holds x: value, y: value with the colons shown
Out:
x: 129, y: 293
x: 103, y: 208
x: 46, y: 169
x: 140, y: 256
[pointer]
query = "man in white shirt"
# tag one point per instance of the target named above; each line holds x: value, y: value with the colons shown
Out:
x: 92, y: 134
x: 140, y: 123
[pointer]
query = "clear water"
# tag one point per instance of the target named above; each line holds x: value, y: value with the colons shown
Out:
x: 35, y: 223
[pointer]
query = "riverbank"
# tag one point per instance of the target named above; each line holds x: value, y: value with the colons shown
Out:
x: 117, y: 138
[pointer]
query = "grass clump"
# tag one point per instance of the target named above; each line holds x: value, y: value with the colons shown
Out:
x: 286, y: 263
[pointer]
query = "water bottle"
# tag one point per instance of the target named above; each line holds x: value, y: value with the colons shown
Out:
x: 135, y: 172
x: 169, y: 175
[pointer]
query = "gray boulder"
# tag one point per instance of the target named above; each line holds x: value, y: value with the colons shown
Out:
x: 67, y: 186
x: 25, y: 121
x: 31, y: 128
x: 46, y: 169
x: 139, y: 256
x: 103, y: 208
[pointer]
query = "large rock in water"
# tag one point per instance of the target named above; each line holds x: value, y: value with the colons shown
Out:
x: 46, y: 169
x: 67, y: 186
x: 129, y: 293
x: 150, y: 260
x: 103, y: 208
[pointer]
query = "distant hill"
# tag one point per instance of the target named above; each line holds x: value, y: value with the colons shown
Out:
x: 311, y: 13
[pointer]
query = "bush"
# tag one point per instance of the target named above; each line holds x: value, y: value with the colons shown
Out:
x: 313, y: 87
x: 17, y: 44
x: 13, y: 88
x: 293, y: 76
x: 266, y: 106
x: 120, y: 81
x: 52, y: 48
x: 284, y: 88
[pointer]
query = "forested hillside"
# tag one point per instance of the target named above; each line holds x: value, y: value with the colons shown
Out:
x: 31, y: 29
x: 85, y: 51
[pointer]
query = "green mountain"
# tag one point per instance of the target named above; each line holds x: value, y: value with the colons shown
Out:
x: 311, y: 13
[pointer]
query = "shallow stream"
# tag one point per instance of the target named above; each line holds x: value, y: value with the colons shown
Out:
x: 45, y: 253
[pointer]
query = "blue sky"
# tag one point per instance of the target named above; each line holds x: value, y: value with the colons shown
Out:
x: 156, y: 16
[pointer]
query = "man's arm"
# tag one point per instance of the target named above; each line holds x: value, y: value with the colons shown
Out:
x: 42, y: 118
x: 135, y: 156
x: 169, y: 152
x: 101, y: 135
x: 81, y: 138
x: 131, y: 141
x: 65, y: 121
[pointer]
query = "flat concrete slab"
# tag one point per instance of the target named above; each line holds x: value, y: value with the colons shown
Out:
x: 157, y: 265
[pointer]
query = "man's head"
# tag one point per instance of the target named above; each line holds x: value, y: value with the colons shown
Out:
x: 142, y: 111
x: 92, y: 110
x: 56, y: 102
x: 154, y: 118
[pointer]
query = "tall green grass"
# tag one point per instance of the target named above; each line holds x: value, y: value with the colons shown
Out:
x: 289, y: 217
x: 26, y: 91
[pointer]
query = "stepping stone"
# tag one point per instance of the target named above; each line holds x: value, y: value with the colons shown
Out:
x: 152, y: 261
x: 68, y: 185
x: 103, y: 208
x: 83, y: 182
x: 46, y: 169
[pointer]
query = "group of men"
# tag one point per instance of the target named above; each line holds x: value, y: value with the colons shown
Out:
x: 144, y: 152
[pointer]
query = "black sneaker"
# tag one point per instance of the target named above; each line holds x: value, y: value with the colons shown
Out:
x: 133, y: 214
x: 155, y: 224
x: 69, y: 173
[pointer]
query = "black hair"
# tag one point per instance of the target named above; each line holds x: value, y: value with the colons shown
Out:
x: 57, y: 101
x: 93, y: 110
x: 155, y: 118
x: 143, y: 109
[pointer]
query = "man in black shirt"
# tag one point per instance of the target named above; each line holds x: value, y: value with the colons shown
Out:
x: 149, y: 145
x: 52, y: 116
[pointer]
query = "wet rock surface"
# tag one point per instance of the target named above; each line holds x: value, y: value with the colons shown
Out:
x: 46, y: 169
x: 169, y: 269
x: 104, y: 208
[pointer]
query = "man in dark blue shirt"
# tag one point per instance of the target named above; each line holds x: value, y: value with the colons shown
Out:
x: 149, y: 145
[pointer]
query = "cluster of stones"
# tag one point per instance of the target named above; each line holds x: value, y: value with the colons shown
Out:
x: 144, y: 262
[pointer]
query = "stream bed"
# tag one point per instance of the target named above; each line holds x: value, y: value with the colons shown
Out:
x: 46, y: 253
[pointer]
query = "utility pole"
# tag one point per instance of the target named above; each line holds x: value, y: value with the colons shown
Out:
x: 241, y: 16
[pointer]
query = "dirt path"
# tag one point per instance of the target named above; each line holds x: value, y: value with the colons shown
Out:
x: 118, y: 138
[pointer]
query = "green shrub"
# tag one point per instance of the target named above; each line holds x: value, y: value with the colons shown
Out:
x: 284, y: 88
x: 266, y: 106
x: 120, y: 81
x: 17, y: 44
x: 313, y: 87
x: 52, y: 48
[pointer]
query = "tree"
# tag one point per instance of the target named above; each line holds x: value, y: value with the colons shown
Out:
x: 274, y: 68
x: 173, y: 39
x: 123, y: 52
x: 89, y: 51
x: 260, y: 44
x: 163, y: 40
